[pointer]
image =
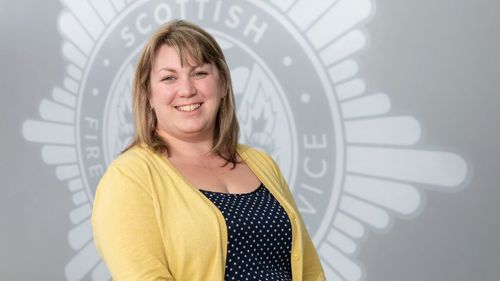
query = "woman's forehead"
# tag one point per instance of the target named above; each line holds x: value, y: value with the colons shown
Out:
x: 180, y: 57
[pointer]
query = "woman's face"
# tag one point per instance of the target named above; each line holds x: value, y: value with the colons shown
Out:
x: 185, y: 98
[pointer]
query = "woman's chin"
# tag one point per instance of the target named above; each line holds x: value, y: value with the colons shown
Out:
x: 197, y: 132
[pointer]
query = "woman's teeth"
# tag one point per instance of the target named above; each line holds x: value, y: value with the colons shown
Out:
x: 189, y: 107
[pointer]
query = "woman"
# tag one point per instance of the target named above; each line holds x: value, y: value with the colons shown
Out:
x: 185, y: 201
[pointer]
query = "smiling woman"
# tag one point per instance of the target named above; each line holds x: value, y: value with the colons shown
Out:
x: 179, y: 57
x: 182, y: 199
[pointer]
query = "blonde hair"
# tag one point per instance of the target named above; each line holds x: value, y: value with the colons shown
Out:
x: 195, y: 45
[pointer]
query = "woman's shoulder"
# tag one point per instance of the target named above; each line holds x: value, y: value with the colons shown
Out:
x: 256, y: 155
x: 246, y: 150
x: 135, y: 159
x: 136, y: 166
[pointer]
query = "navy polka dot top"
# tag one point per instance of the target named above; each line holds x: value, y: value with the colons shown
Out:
x: 259, y: 235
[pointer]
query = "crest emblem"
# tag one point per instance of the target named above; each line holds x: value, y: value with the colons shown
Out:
x: 352, y: 165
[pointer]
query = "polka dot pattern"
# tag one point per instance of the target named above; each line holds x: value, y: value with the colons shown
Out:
x: 259, y: 235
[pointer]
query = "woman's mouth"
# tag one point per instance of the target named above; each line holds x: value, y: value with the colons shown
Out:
x: 188, y: 107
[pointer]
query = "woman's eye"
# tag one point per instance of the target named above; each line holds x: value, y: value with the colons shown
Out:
x: 200, y: 74
x: 168, y: 78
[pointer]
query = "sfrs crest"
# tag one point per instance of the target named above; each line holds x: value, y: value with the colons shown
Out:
x: 350, y: 164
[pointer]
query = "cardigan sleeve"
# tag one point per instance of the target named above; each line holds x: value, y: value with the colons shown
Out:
x: 125, y: 228
x: 312, y: 269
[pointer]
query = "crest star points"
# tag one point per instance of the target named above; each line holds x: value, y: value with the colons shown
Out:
x: 268, y: 123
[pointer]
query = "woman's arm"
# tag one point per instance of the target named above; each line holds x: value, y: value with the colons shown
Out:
x: 126, y: 230
x: 312, y: 269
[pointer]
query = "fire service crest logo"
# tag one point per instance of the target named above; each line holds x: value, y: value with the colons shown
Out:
x: 352, y: 165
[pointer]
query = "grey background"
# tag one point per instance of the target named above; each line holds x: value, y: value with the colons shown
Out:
x: 438, y: 61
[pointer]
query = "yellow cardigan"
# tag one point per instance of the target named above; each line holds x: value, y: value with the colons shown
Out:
x: 150, y: 223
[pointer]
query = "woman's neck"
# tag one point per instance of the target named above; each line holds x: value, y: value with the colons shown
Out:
x: 188, y: 148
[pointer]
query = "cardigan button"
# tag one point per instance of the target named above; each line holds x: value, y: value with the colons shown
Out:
x: 296, y: 257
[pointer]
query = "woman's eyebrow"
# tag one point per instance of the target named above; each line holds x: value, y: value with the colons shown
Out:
x: 167, y: 69
x: 175, y: 71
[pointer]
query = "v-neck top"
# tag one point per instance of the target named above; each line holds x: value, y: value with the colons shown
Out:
x: 259, y: 235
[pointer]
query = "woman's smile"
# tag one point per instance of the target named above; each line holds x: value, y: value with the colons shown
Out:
x: 188, y: 107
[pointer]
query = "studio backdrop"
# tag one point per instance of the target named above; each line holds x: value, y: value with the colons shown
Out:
x: 367, y: 106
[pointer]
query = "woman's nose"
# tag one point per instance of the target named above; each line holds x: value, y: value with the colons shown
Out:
x: 186, y: 88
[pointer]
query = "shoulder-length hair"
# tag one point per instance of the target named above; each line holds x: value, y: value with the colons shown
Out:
x: 194, y: 45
